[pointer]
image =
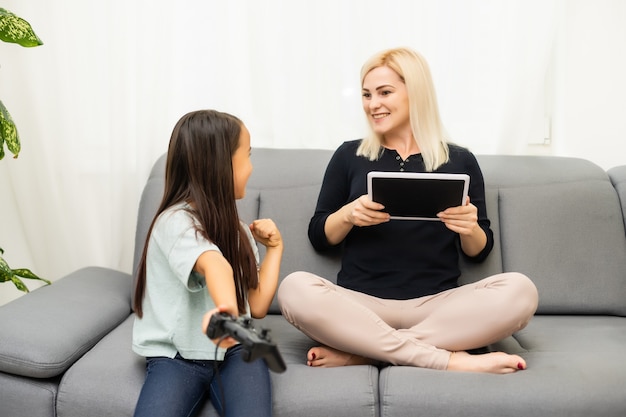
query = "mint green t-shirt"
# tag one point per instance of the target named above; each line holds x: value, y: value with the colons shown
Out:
x: 176, y: 297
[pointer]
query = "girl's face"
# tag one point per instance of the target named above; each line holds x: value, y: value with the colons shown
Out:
x: 242, y: 166
x: 386, y: 102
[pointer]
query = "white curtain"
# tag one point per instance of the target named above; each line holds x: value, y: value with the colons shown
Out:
x: 96, y: 103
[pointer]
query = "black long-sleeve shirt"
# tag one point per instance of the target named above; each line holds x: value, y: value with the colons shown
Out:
x: 400, y: 259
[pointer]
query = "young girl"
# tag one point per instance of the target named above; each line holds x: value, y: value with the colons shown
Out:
x: 200, y: 259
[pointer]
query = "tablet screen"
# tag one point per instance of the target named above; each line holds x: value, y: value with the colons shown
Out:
x: 417, y: 196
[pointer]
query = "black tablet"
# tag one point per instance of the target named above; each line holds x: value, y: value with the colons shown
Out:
x: 417, y: 196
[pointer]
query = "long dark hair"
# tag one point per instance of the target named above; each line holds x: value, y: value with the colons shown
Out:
x: 199, y: 171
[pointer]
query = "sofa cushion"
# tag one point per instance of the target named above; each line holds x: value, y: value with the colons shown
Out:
x: 527, y: 170
x: 149, y: 203
x: 291, y: 209
x: 56, y: 324
x: 301, y: 391
x: 472, y: 272
x: 151, y: 197
x: 108, y: 379
x: 287, y: 168
x: 574, y: 370
x: 570, y: 246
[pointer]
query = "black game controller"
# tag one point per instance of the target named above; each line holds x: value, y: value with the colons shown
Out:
x: 255, y: 345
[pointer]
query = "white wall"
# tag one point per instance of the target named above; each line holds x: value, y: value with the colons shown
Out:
x: 589, y: 108
x: 95, y: 105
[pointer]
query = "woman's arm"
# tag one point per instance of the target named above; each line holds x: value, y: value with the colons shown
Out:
x: 339, y: 208
x: 470, y: 220
x: 260, y: 298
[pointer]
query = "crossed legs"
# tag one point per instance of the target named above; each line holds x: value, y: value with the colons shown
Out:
x: 357, y: 328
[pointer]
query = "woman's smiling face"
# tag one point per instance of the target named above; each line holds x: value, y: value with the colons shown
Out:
x: 386, y: 102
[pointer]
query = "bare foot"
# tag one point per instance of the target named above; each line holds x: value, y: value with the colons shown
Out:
x: 495, y: 362
x: 326, y: 357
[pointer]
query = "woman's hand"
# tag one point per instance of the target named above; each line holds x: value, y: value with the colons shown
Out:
x: 226, y: 342
x: 266, y: 233
x: 365, y: 212
x: 464, y: 221
x: 360, y: 212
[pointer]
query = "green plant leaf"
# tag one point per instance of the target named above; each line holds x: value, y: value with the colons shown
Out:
x: 5, y: 271
x: 19, y: 284
x: 8, y: 133
x: 27, y: 273
x: 13, y: 275
x: 14, y: 29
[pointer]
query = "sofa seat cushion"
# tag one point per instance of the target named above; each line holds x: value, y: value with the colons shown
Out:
x: 56, y: 324
x: 301, y: 391
x: 575, y: 368
x: 601, y: 335
x: 108, y: 379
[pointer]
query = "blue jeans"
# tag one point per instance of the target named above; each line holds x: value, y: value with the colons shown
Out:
x: 178, y: 387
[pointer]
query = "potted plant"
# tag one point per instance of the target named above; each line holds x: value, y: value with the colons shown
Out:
x: 14, y: 29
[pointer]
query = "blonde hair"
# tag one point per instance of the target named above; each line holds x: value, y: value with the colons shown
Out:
x: 428, y: 131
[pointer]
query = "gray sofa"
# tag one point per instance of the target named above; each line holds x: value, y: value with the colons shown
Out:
x: 65, y: 348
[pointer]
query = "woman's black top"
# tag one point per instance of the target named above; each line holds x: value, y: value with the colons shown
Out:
x: 400, y: 259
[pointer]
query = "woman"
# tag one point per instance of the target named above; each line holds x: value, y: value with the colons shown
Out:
x: 397, y: 300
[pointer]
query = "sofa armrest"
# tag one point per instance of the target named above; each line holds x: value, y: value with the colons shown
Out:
x: 618, y: 179
x: 44, y: 332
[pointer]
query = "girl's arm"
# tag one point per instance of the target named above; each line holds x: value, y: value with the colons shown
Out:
x: 220, y: 281
x: 260, y: 298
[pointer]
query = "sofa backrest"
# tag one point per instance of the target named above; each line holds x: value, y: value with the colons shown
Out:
x: 618, y: 179
x: 558, y: 220
x: 283, y: 187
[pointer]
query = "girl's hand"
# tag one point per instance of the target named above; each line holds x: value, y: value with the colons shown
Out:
x: 226, y: 342
x: 365, y: 212
x: 462, y: 219
x: 266, y: 233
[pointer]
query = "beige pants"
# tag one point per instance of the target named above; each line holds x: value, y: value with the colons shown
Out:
x: 419, y: 332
